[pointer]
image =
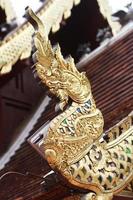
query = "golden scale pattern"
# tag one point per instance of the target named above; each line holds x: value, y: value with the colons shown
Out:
x: 75, y: 145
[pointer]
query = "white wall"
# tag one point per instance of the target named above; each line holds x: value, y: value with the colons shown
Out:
x: 20, y: 5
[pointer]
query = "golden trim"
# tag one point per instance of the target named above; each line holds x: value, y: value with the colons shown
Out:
x: 18, y: 44
x: 106, y: 11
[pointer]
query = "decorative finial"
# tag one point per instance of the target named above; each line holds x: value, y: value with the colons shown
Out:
x: 60, y: 75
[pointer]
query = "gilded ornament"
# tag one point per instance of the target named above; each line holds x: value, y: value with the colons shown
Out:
x: 18, y: 44
x: 75, y: 145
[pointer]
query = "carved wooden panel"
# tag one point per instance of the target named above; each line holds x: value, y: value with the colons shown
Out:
x: 17, y: 98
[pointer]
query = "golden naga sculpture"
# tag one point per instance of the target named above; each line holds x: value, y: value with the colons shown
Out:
x: 75, y: 146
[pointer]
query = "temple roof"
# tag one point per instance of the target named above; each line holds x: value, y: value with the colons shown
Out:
x: 110, y: 70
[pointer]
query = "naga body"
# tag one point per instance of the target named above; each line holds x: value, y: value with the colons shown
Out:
x: 75, y: 145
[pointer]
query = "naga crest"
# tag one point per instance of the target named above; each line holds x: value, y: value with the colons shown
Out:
x: 75, y: 145
x: 59, y: 74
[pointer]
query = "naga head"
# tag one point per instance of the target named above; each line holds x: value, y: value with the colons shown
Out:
x: 59, y: 74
